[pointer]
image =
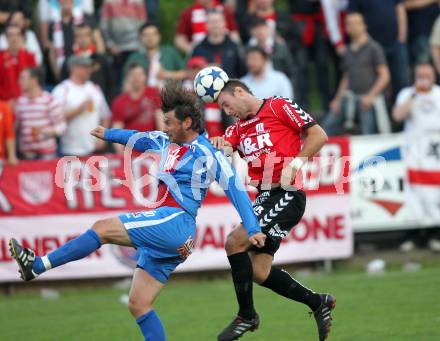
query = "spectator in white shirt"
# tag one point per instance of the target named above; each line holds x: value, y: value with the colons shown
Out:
x: 419, y: 105
x: 84, y: 108
x: 262, y: 79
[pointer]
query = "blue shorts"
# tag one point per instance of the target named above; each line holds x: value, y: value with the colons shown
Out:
x: 164, y: 238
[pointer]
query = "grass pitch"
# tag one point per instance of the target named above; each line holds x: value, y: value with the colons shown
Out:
x: 397, y: 306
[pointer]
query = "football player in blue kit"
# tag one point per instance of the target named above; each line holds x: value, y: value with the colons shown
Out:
x: 164, y: 236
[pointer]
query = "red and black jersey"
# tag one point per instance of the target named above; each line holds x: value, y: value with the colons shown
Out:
x: 271, y: 139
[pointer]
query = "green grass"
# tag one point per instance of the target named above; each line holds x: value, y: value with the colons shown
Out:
x: 398, y: 306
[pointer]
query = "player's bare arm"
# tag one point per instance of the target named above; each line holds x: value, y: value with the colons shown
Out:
x: 314, y: 138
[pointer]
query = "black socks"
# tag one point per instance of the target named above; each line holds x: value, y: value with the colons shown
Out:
x: 278, y: 281
x: 283, y: 284
x: 241, y: 269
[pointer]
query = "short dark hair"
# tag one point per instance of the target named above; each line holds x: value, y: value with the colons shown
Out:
x: 84, y: 24
x: 26, y: 10
x: 234, y: 83
x: 215, y: 11
x: 135, y: 65
x: 184, y: 103
x: 355, y: 13
x: 37, y: 73
x: 11, y: 16
x: 425, y: 64
x: 257, y: 49
x: 257, y: 21
x: 148, y: 24
x: 420, y: 64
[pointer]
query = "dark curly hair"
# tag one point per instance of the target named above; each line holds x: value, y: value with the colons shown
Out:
x: 184, y: 103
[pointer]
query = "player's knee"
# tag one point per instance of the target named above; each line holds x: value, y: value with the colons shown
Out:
x: 101, y: 227
x: 233, y: 244
x: 260, y: 275
x: 260, y: 272
x: 230, y: 244
x: 138, y: 307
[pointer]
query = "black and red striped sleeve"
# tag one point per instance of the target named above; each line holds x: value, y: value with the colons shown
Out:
x: 291, y: 114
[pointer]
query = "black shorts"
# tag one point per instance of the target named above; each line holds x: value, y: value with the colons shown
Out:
x: 278, y: 211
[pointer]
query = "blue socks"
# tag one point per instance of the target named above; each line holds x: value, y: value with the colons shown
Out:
x: 151, y: 327
x: 80, y: 247
x: 75, y: 249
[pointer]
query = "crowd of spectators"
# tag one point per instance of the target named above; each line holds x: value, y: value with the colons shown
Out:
x: 69, y: 65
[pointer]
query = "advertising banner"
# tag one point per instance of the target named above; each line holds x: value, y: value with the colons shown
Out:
x: 44, y: 204
x: 395, y: 182
x: 377, y: 181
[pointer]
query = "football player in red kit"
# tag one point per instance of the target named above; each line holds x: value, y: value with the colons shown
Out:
x: 276, y: 137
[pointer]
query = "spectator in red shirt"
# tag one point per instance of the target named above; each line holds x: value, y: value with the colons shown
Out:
x: 138, y: 108
x: 13, y: 60
x: 7, y: 134
x: 191, y: 28
x: 30, y: 38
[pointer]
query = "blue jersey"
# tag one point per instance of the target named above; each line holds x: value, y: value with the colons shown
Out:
x: 189, y: 169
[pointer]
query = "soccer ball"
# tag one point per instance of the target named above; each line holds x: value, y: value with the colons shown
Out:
x: 209, y: 82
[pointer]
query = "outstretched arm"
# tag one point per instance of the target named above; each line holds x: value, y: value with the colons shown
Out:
x: 120, y: 136
x: 141, y: 141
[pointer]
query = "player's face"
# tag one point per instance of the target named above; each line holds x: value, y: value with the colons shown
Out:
x: 174, y: 128
x: 232, y: 104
